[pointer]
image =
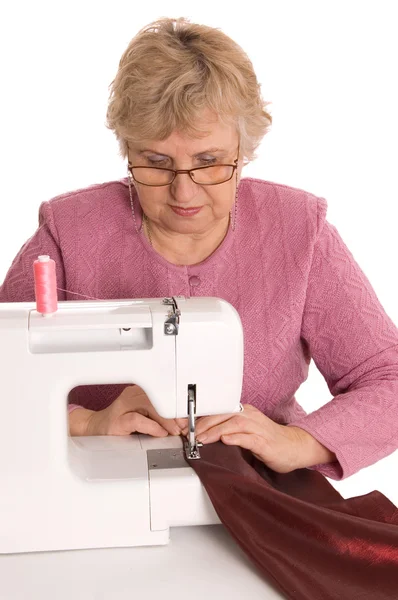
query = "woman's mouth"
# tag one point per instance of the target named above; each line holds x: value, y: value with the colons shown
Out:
x: 186, y: 212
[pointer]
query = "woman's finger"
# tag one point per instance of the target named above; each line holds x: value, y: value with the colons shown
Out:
x: 170, y: 425
x: 183, y: 424
x: 134, y: 422
x: 205, y: 423
x: 249, y: 441
x: 236, y: 424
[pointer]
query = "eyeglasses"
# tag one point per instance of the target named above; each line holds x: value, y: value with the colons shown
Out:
x: 157, y: 176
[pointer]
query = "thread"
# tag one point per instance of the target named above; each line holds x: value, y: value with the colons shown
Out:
x: 45, y: 285
x: 77, y: 294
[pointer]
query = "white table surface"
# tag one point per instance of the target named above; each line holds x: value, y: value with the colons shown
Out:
x: 200, y: 563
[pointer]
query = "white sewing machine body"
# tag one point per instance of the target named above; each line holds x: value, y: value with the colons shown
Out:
x: 60, y: 492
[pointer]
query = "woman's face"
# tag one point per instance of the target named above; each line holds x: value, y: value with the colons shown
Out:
x: 179, y: 151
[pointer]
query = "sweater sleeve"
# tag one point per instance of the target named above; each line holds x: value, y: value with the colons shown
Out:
x: 354, y: 345
x: 18, y: 286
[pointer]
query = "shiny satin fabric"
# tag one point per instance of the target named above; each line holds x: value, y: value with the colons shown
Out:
x: 307, y: 540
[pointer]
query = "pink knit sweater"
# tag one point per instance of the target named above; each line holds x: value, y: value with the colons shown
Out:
x: 298, y: 290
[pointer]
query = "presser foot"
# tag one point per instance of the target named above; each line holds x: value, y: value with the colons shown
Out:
x: 192, y: 450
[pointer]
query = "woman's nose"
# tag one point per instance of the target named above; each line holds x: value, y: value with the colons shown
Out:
x: 183, y: 189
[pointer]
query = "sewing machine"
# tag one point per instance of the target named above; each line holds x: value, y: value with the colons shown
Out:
x: 62, y: 492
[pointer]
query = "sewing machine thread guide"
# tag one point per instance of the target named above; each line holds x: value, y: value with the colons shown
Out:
x: 172, y: 322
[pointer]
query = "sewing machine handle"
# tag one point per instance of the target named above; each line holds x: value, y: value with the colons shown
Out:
x: 96, y: 328
x: 96, y: 317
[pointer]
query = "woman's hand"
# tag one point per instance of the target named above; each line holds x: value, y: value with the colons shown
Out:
x: 130, y: 412
x: 278, y: 446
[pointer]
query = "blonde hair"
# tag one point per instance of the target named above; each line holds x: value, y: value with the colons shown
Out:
x: 171, y: 71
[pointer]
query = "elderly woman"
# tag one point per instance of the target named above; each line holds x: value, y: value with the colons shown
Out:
x: 187, y: 110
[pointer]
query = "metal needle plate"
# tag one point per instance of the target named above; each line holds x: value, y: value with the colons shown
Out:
x: 166, y: 458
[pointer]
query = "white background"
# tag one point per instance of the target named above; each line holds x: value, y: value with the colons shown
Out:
x: 329, y: 69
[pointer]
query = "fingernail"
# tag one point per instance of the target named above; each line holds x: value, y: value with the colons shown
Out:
x: 202, y: 438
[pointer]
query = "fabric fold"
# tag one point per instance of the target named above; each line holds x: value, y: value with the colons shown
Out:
x: 300, y: 532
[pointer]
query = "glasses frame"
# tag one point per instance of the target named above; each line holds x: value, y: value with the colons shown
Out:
x: 189, y: 171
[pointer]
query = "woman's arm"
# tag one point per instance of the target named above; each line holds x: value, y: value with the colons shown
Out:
x: 354, y: 345
x: 310, y: 451
x: 18, y: 285
x: 78, y: 419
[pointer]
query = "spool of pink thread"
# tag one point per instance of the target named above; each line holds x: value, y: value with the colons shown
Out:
x: 45, y: 285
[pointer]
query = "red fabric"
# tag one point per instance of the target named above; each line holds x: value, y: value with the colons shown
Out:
x: 300, y: 532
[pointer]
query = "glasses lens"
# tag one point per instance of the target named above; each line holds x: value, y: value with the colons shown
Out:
x: 213, y: 174
x: 152, y: 176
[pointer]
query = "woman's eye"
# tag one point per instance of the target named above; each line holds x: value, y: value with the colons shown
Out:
x: 162, y: 162
x: 157, y: 163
